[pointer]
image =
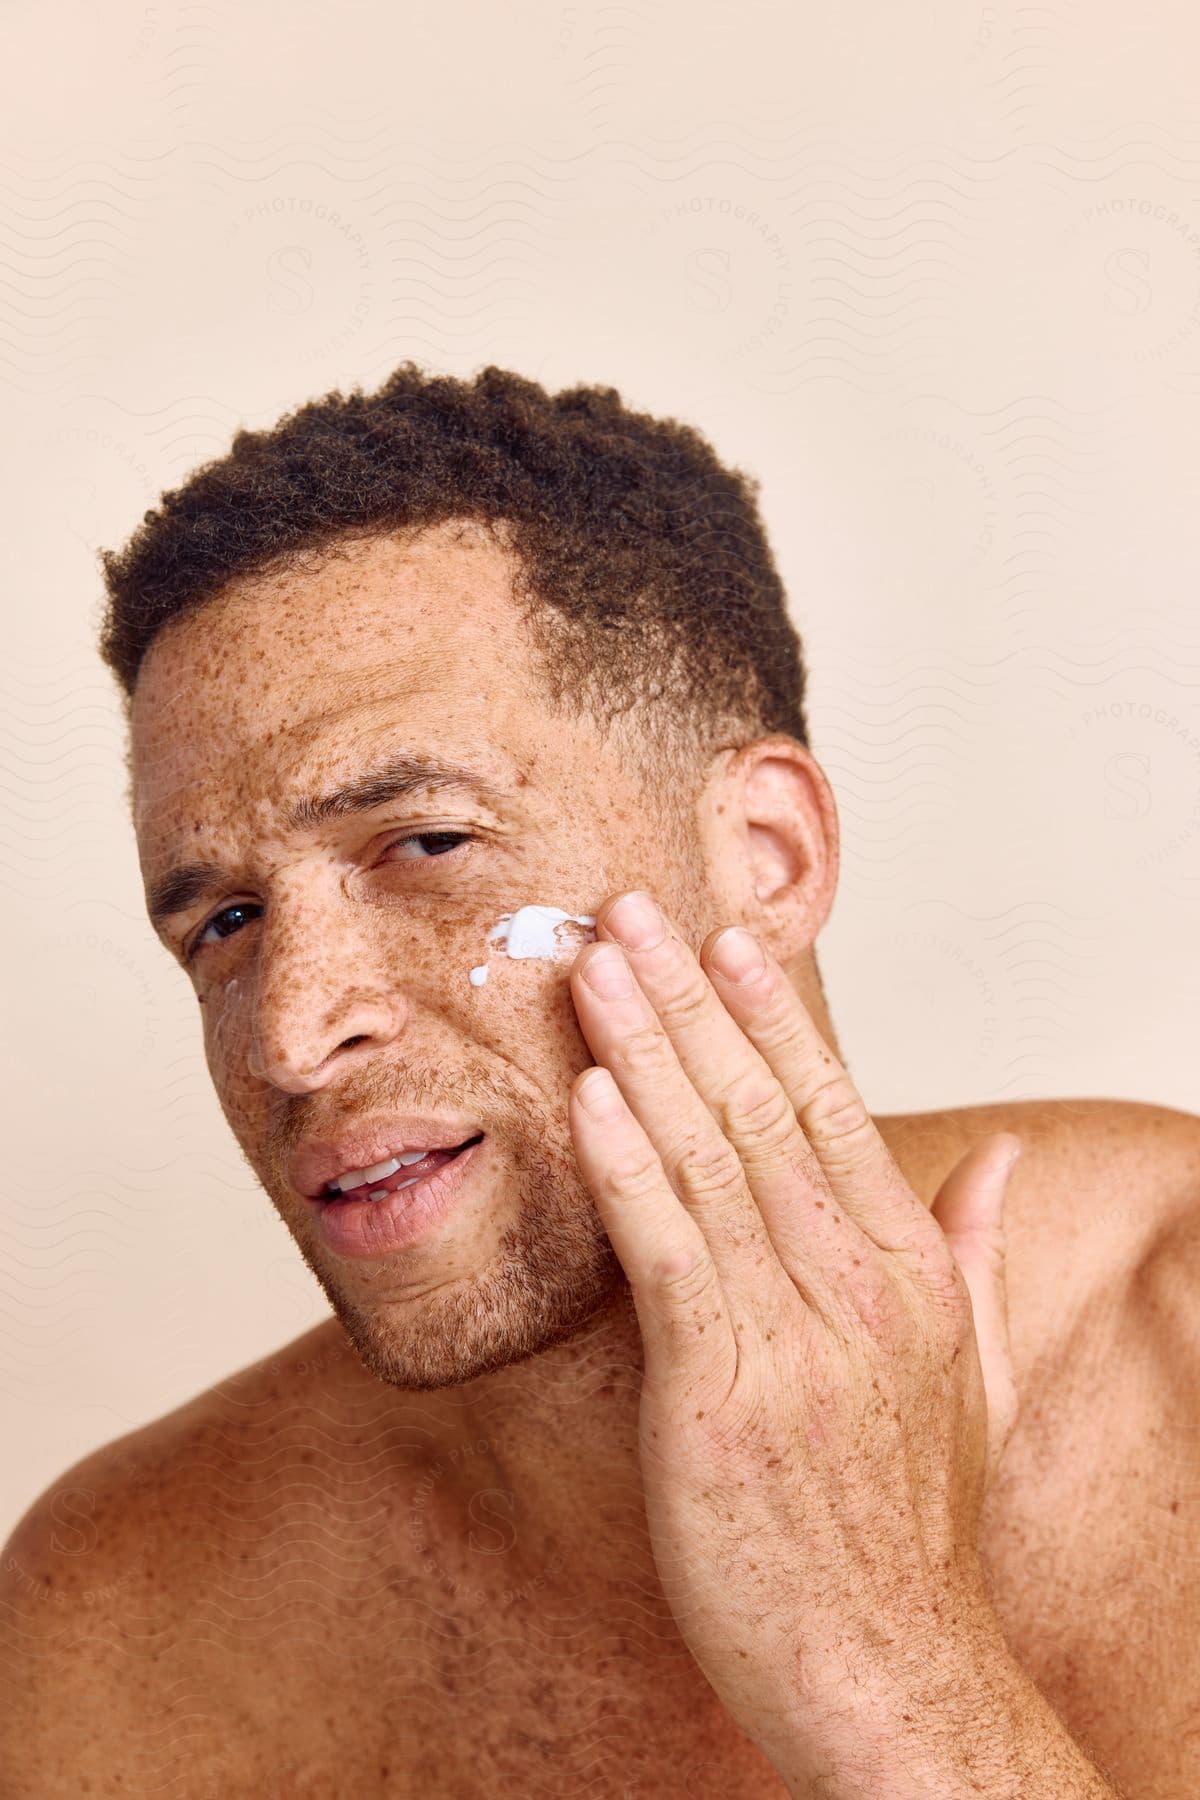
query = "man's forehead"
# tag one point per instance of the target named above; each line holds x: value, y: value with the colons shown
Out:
x: 238, y: 700
x: 298, y: 778
x: 283, y: 782
x: 379, y: 612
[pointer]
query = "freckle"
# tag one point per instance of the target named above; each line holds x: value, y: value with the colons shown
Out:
x: 1174, y: 1506
x: 858, y: 1262
x: 820, y: 1206
x: 836, y: 1219
x: 699, y: 1415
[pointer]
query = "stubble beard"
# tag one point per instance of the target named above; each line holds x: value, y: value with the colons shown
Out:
x: 554, y: 1272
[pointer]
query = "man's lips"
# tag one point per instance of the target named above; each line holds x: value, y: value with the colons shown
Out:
x: 351, y: 1228
x: 404, y: 1176
x: 367, y: 1143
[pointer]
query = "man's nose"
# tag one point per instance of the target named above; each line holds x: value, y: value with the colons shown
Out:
x: 327, y: 991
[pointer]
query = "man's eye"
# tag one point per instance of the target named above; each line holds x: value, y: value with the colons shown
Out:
x: 430, y: 837
x: 449, y: 840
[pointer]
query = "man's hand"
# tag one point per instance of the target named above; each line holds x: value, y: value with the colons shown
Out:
x: 828, y: 1383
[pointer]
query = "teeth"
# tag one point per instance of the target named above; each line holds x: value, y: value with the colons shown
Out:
x: 382, y: 1193
x: 379, y: 1172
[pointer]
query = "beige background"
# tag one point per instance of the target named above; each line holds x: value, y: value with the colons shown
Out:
x: 931, y: 271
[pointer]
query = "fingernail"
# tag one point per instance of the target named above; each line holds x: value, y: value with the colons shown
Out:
x: 608, y: 973
x: 637, y: 921
x: 599, y: 1094
x: 737, y: 953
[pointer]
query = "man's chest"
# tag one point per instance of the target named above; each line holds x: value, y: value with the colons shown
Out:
x: 576, y: 1692
x: 1088, y: 1533
x: 457, y: 1687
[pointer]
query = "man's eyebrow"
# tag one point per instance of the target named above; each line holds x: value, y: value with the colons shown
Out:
x: 399, y: 776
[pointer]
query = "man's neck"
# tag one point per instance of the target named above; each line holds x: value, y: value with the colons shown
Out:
x: 546, y: 1451
x: 561, y: 1437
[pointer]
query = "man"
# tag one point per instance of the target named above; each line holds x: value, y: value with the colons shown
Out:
x: 651, y: 1453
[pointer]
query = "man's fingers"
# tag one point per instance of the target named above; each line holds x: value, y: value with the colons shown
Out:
x: 702, y: 1164
x: 680, y: 1305
x: 740, y: 1159
x: 845, y: 1143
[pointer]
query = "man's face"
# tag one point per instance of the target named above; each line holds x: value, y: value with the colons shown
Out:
x: 334, y: 983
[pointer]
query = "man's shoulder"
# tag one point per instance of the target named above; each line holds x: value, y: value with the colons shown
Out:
x: 1101, y: 1207
x: 1093, y: 1531
x: 148, y: 1481
x: 1107, y: 1228
x: 1096, y: 1171
x: 1113, y: 1184
x: 76, y: 1635
x: 112, y: 1580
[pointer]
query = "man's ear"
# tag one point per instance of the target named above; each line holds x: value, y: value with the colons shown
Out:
x: 769, y: 829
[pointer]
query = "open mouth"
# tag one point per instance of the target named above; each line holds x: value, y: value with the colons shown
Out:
x: 406, y: 1175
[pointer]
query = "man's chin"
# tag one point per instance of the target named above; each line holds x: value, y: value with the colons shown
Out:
x: 476, y: 1325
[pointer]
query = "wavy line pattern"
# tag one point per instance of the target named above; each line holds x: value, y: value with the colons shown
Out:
x: 938, y: 287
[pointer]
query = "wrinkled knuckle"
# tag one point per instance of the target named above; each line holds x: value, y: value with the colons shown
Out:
x: 684, y: 1282
x: 838, y: 1111
x: 758, y: 1108
x: 641, y: 1050
x: 775, y: 1022
x: 707, y: 1167
x: 631, y: 1171
x: 689, y: 1006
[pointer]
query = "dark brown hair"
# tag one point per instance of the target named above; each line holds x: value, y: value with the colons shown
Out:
x: 646, y: 581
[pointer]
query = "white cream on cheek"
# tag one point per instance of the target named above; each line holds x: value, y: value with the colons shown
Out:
x: 530, y: 931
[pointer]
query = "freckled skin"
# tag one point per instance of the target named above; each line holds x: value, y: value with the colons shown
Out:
x: 407, y: 1555
x: 352, y: 990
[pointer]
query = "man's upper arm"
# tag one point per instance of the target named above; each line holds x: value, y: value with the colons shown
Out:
x: 1165, y: 1296
x: 71, y: 1702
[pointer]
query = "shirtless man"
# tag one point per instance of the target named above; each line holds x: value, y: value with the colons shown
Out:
x: 479, y: 1534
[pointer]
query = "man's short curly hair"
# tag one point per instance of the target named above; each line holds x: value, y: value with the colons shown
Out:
x: 645, y: 579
